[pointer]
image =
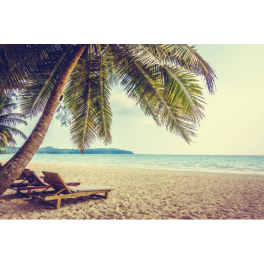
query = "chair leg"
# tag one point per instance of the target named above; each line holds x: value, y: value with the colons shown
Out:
x: 18, y: 191
x: 57, y: 204
x: 106, y: 195
x: 28, y: 195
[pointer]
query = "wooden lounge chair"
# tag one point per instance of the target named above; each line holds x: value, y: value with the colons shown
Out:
x: 36, y: 183
x: 63, y: 191
x: 27, y: 173
x: 26, y: 179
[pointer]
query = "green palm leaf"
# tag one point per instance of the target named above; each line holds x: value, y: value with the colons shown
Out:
x: 12, y: 131
x: 144, y: 57
x: 12, y: 119
x: 79, y: 98
x: 9, y: 120
x: 19, y: 61
x: 86, y: 97
x: 103, y: 114
x: 183, y: 55
x: 34, y: 98
x: 147, y: 87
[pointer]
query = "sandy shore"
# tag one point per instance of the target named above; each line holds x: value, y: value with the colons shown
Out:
x: 145, y: 194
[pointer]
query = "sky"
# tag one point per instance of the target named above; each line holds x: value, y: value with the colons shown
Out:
x: 234, y: 114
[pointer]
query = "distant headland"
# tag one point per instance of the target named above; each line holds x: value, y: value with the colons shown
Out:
x: 51, y: 150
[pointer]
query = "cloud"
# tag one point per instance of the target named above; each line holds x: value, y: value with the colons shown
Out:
x: 121, y: 104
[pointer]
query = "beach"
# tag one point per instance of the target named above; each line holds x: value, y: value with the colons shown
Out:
x: 145, y: 194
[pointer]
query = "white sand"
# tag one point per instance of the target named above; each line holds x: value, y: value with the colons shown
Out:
x: 145, y: 194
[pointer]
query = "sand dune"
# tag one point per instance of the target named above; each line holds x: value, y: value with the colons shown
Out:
x: 145, y: 194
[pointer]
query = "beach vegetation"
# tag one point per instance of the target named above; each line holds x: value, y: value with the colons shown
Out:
x: 9, y: 121
x: 51, y: 150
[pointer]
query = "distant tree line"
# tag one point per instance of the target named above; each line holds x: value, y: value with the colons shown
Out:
x: 51, y: 150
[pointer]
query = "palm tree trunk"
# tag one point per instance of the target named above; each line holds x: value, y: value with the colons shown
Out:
x: 14, y: 167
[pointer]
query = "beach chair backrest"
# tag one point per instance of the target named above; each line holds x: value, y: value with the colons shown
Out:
x: 57, y: 182
x: 37, y: 179
x: 27, y: 175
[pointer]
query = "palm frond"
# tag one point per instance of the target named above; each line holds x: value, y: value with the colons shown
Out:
x: 182, y: 55
x: 172, y: 76
x: 184, y: 91
x: 4, y: 138
x: 33, y: 99
x: 86, y: 97
x: 13, y: 119
x: 146, y: 85
x: 125, y: 70
x: 18, y: 62
x: 103, y: 116
x: 79, y: 98
x: 7, y: 102
x: 9, y: 120
x: 12, y: 131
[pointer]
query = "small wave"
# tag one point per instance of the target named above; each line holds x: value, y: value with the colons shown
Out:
x: 209, y: 163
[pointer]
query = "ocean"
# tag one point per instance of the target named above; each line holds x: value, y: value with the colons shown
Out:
x: 209, y: 163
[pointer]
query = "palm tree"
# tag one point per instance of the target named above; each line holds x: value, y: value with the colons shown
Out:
x: 9, y: 120
x: 161, y: 79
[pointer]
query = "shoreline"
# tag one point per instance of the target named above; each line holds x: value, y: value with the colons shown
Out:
x: 187, y: 172
x: 225, y: 164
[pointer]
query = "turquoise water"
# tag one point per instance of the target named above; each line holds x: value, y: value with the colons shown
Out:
x: 213, y: 163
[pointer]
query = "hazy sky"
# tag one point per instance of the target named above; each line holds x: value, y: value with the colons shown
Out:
x: 234, y: 115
